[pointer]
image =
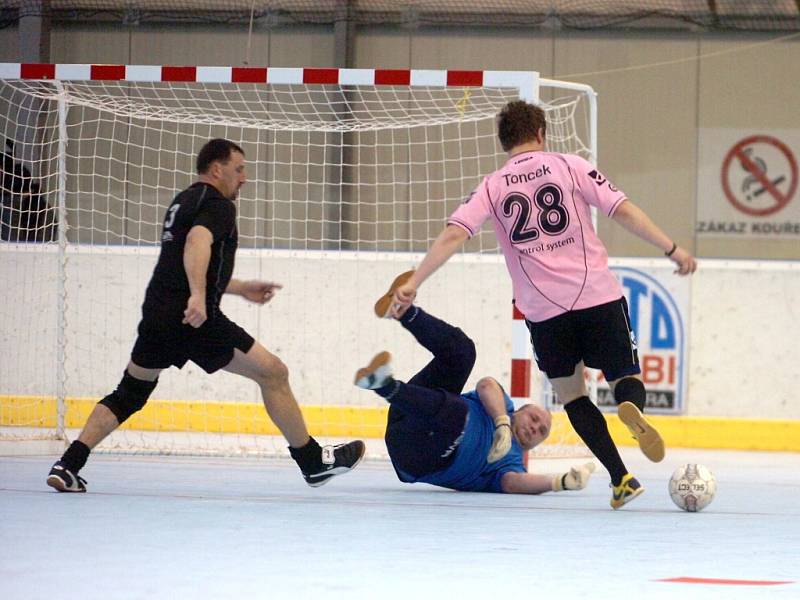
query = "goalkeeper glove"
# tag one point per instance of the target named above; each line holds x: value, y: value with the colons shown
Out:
x: 501, y: 441
x: 575, y: 479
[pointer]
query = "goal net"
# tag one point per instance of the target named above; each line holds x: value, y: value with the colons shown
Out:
x: 351, y: 175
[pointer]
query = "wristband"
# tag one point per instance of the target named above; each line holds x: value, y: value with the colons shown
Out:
x: 672, y: 250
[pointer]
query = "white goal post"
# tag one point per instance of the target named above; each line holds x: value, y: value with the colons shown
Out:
x: 352, y: 173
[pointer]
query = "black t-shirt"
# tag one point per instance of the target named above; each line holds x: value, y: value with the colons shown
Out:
x: 168, y: 291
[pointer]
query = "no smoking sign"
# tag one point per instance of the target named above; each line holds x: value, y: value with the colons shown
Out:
x: 759, y: 175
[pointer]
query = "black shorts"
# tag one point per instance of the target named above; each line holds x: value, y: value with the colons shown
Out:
x: 600, y: 336
x: 163, y: 343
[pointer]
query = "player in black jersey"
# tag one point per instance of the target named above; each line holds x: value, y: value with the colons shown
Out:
x: 182, y: 320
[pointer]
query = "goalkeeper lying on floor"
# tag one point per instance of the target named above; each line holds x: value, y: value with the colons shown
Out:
x: 469, y: 441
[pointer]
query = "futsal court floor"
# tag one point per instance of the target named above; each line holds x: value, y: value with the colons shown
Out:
x: 249, y: 529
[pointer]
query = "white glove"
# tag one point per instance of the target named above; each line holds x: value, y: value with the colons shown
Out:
x: 575, y: 479
x: 501, y: 442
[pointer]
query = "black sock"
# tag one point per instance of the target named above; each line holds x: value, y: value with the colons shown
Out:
x: 410, y: 314
x: 308, y: 457
x: 76, y: 456
x: 591, y: 426
x: 389, y: 389
x: 630, y: 389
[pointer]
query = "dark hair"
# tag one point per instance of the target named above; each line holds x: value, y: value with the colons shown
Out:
x: 216, y: 150
x: 519, y: 123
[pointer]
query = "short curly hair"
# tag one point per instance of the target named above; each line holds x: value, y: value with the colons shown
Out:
x: 518, y: 123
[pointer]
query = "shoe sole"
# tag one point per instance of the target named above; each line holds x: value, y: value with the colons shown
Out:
x: 376, y: 363
x: 383, y: 305
x: 627, y: 499
x: 55, y: 482
x: 337, y: 471
x: 650, y: 442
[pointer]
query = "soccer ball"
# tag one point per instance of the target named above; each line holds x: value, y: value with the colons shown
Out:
x: 692, y: 487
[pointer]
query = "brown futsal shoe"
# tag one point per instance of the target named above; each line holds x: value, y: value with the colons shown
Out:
x: 384, y: 304
x: 376, y: 374
x: 650, y: 441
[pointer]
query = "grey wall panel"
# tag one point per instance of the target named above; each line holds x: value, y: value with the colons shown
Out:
x: 9, y: 44
x: 305, y: 46
x: 194, y: 45
x: 90, y: 43
x: 646, y: 127
x: 516, y: 50
x: 387, y: 48
x: 748, y: 82
x: 301, y: 46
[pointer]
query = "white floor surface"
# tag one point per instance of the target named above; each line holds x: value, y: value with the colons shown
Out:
x: 250, y: 529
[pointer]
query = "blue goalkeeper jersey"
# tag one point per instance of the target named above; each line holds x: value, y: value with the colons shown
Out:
x: 469, y: 471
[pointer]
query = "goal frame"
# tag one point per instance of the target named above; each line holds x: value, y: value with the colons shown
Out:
x: 527, y: 85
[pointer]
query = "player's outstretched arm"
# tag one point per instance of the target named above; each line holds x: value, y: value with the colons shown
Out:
x: 259, y: 292
x: 534, y: 483
x: 444, y: 246
x: 494, y: 403
x: 635, y: 220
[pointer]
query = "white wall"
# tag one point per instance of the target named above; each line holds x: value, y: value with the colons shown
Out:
x: 743, y: 323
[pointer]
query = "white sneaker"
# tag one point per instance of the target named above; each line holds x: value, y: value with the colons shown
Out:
x: 376, y: 374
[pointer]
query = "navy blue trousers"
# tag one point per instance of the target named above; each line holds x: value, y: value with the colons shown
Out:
x: 427, y: 414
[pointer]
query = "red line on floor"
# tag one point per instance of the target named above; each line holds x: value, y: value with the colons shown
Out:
x: 721, y: 581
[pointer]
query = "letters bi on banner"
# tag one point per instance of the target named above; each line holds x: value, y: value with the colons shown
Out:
x: 658, y: 302
x: 747, y: 184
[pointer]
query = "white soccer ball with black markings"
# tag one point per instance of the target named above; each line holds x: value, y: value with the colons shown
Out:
x: 692, y: 487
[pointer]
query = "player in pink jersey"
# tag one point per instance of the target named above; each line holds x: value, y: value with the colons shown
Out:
x: 540, y: 203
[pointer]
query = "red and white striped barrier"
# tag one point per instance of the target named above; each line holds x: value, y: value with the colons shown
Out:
x: 527, y: 82
x: 521, y: 354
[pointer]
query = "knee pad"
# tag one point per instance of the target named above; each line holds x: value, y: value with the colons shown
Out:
x: 630, y: 389
x: 130, y: 396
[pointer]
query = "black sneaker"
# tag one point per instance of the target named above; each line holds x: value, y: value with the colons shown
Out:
x: 336, y: 460
x: 64, y: 480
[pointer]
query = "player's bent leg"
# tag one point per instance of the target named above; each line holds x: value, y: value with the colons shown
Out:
x: 570, y: 386
x: 130, y: 396
x: 590, y: 424
x: 272, y: 376
x: 629, y: 393
x: 453, y: 351
x: 318, y: 464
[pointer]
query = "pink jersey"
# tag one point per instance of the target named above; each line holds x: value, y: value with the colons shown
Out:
x: 539, y: 203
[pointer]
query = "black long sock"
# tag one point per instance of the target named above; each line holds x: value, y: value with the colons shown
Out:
x: 630, y: 389
x: 308, y: 457
x: 591, y: 426
x: 76, y: 456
